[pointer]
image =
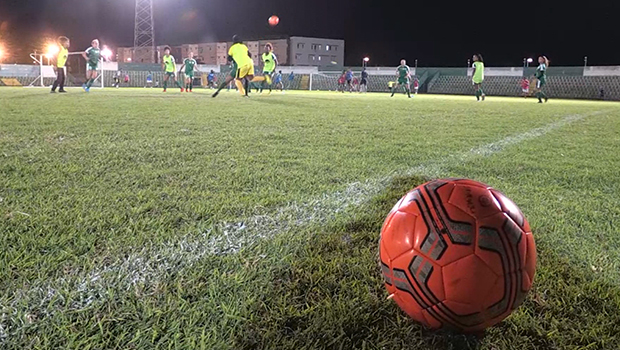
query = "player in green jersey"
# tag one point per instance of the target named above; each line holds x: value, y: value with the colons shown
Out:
x: 541, y: 76
x: 190, y: 66
x: 403, y: 73
x: 478, y: 76
x: 91, y: 55
x: 270, y: 62
x: 170, y: 69
x: 229, y: 78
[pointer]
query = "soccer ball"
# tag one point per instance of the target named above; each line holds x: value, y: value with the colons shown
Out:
x: 457, y: 254
x: 274, y: 20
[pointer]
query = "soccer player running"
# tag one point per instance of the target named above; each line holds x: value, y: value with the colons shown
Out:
x: 541, y: 76
x: 190, y: 66
x: 478, y: 76
x: 211, y: 79
x: 170, y: 69
x: 91, y: 55
x: 240, y: 53
x: 291, y: 79
x: 364, y: 82
x: 59, y: 67
x: 277, y: 80
x: 403, y: 72
x: 525, y: 86
x: 229, y: 78
x: 349, y: 78
x: 270, y: 62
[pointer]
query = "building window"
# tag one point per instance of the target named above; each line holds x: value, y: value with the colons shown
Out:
x: 326, y: 47
x: 300, y: 45
x: 316, y: 47
x: 297, y: 56
x: 335, y: 47
x: 319, y: 58
x: 311, y: 58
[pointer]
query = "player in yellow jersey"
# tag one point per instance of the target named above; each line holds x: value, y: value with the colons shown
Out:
x: 478, y: 76
x: 61, y: 61
x: 239, y: 53
x: 170, y: 69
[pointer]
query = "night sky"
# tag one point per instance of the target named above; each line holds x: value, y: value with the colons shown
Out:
x: 437, y: 33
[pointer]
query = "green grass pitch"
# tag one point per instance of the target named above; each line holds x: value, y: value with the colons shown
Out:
x: 132, y: 219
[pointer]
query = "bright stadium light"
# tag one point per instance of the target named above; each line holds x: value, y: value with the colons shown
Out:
x: 530, y: 60
x: 365, y: 61
x: 52, y: 49
x: 1, y: 53
x: 106, y: 53
x: 128, y: 59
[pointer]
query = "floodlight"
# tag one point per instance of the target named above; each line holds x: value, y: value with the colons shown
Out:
x: 530, y: 60
x: 106, y: 53
x: 52, y: 49
x: 366, y: 59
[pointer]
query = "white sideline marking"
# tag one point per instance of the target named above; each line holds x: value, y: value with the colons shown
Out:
x: 145, y: 267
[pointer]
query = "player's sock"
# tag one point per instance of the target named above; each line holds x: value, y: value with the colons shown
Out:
x: 408, y: 92
x: 240, y: 87
x: 257, y: 79
x: 89, y: 83
x: 478, y: 94
x: 179, y: 85
x: 165, y: 84
x: 246, y: 86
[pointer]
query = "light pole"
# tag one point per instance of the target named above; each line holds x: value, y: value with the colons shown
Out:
x: 585, y: 62
x: 365, y: 62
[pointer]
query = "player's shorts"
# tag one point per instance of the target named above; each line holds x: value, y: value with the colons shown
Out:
x: 90, y: 66
x: 477, y: 82
x: 244, y: 71
x: 526, y: 90
x: 403, y: 81
x: 148, y: 81
x: 364, y: 82
x: 189, y: 75
x: 348, y: 81
x: 540, y: 83
x: 269, y: 73
x: 170, y: 74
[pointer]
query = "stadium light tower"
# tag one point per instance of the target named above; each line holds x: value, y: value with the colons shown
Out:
x: 144, y: 32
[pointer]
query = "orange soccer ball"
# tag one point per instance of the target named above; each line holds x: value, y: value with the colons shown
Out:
x: 457, y: 254
x: 274, y: 20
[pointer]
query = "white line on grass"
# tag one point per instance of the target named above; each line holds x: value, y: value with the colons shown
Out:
x: 152, y: 263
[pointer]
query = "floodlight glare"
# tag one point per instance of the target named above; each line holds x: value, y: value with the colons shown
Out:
x: 52, y: 49
x: 106, y: 53
x: 366, y: 59
x: 530, y: 60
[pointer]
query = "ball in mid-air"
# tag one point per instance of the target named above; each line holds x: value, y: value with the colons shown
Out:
x: 457, y: 254
x: 274, y: 20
